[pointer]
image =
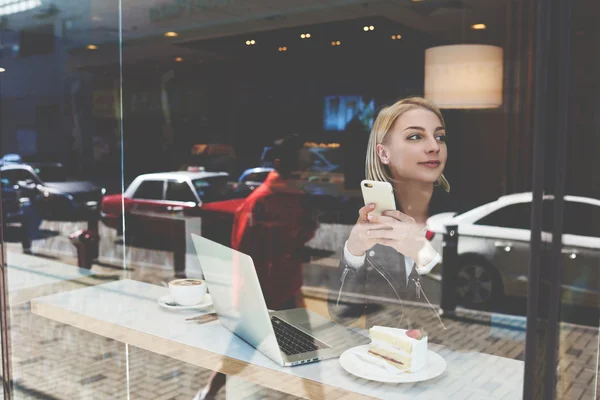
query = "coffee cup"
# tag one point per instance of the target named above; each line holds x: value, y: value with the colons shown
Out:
x: 187, y: 292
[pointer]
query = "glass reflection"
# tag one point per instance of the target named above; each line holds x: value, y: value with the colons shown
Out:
x: 127, y: 126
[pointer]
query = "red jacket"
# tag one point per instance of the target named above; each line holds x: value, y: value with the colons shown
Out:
x: 272, y: 226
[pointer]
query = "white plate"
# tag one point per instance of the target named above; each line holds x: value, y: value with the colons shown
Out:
x: 168, y: 302
x: 374, y: 372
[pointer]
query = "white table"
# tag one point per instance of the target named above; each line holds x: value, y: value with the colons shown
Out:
x: 127, y: 311
x: 30, y: 277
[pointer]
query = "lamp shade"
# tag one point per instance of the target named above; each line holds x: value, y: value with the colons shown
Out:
x: 464, y: 76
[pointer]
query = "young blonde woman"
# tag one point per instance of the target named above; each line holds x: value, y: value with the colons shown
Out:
x: 384, y: 255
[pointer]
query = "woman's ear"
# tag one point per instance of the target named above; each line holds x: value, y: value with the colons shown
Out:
x: 382, y: 153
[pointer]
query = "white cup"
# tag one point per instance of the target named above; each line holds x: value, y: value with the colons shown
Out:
x: 187, y: 292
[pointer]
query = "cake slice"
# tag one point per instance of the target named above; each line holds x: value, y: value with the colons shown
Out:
x: 404, y: 349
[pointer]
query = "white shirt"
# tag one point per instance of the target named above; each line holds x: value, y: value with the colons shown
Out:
x: 358, y: 261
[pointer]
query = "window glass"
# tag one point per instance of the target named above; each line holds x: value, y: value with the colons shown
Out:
x: 581, y: 219
x: 256, y: 177
x: 515, y: 216
x: 179, y: 191
x: 150, y: 190
x: 97, y: 94
x: 212, y: 189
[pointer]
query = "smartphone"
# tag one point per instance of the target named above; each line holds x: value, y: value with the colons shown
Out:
x: 379, y: 193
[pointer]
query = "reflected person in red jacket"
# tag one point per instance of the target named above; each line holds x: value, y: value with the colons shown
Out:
x: 272, y: 226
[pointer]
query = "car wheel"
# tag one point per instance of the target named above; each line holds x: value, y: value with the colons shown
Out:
x: 478, y: 284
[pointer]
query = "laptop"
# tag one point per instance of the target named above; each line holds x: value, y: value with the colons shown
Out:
x: 290, y: 337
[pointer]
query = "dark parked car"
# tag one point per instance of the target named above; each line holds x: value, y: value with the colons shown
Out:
x: 55, y: 196
x: 20, y: 210
x: 11, y: 204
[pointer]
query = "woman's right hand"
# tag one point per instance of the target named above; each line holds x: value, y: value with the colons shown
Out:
x: 359, y: 242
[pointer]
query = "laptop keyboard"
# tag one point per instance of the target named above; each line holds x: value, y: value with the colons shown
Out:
x: 292, y: 340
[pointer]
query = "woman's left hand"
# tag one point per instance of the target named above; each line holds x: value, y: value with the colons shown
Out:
x: 404, y: 235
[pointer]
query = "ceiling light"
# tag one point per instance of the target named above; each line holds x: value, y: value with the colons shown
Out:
x: 338, y: 43
x: 365, y: 28
x: 2, y: 69
x: 252, y: 42
x: 308, y: 35
x: 478, y: 27
x: 248, y: 42
x: 396, y: 37
x: 178, y: 59
x: 171, y: 34
x: 464, y: 76
x: 283, y: 48
x: 92, y: 47
x: 371, y: 27
x: 303, y: 36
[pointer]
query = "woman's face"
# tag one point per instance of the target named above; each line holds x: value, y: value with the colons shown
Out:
x: 415, y: 149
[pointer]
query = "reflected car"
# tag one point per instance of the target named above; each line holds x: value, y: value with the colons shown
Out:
x: 164, y: 192
x: 56, y: 197
x: 493, y: 249
x: 253, y: 177
x: 11, y: 203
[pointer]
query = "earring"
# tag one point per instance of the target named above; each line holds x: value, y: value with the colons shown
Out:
x: 385, y: 161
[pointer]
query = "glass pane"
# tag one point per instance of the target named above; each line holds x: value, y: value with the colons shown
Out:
x: 215, y: 86
x: 104, y: 102
x: 179, y: 191
x: 150, y: 190
x: 61, y: 143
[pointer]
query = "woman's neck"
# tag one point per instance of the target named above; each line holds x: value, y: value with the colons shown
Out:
x: 413, y: 198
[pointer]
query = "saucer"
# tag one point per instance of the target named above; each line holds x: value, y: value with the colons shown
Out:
x: 168, y: 302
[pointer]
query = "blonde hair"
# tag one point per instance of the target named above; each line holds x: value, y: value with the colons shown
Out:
x: 374, y: 168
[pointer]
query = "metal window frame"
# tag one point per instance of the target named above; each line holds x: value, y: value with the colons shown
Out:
x: 553, y: 28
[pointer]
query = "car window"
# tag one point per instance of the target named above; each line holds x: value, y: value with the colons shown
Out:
x: 16, y: 175
x: 256, y: 177
x: 51, y: 173
x: 149, y: 190
x: 515, y: 216
x: 211, y: 189
x: 9, y: 176
x: 581, y: 219
x: 179, y: 191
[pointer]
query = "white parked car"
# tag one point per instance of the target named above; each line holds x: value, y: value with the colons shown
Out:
x: 493, y: 248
